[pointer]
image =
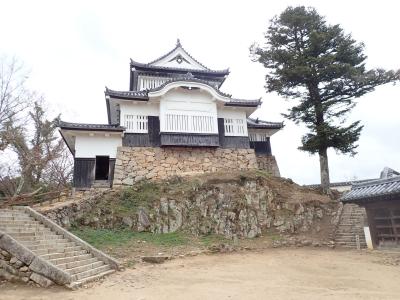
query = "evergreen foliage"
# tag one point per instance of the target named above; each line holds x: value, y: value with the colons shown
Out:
x: 324, y: 68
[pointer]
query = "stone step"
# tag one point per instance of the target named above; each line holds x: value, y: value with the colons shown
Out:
x: 89, y: 273
x: 17, y: 222
x: 50, y: 245
x: 77, y: 263
x: 361, y: 236
x: 45, y: 233
x: 40, y: 242
x: 53, y: 250
x: 85, y: 280
x: 19, y: 218
x: 85, y: 268
x: 26, y: 231
x: 38, y: 237
x: 63, y: 254
x: 354, y: 246
x: 21, y: 226
x: 70, y: 259
x: 349, y: 241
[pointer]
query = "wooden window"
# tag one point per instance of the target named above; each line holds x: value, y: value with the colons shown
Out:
x: 136, y: 123
x: 189, y: 123
x: 258, y: 137
x: 235, y: 127
x: 150, y: 82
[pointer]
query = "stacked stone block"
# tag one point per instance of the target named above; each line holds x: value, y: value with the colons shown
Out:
x: 137, y: 163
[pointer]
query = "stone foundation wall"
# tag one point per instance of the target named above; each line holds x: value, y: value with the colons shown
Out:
x: 137, y: 163
x: 268, y: 163
x: 12, y: 269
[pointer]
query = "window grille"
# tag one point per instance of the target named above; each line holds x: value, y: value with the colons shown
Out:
x: 235, y: 127
x: 136, y: 123
x: 189, y: 123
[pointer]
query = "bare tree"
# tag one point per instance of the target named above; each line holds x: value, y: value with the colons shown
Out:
x: 42, y: 156
x: 14, y: 96
x: 59, y: 171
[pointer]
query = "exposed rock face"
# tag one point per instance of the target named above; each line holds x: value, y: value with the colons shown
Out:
x: 137, y: 163
x: 269, y: 164
x: 232, y: 205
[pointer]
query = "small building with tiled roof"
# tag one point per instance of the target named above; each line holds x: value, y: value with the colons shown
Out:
x: 381, y: 199
x: 174, y: 105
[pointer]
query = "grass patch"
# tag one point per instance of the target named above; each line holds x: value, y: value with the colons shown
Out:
x: 112, y: 237
x: 273, y: 236
x: 210, y: 239
x: 141, y: 194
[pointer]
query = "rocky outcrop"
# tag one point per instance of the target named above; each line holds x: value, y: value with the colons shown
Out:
x: 235, y: 204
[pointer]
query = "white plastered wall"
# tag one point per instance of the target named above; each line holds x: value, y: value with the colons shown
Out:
x: 235, y: 114
x: 89, y: 145
x: 139, y: 108
x: 193, y: 102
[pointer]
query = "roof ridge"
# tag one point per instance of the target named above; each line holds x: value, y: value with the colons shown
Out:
x: 135, y: 63
x: 376, y: 181
x: 178, y: 45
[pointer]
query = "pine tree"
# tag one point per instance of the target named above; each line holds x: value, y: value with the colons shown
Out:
x: 324, y: 69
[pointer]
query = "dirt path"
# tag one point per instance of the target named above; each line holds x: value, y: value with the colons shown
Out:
x: 272, y: 274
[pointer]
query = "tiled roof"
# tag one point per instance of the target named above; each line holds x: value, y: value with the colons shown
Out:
x: 143, y: 95
x: 256, y: 123
x: 380, y: 189
x: 127, y: 94
x: 178, y: 45
x: 340, y: 183
x: 151, y: 67
x: 85, y: 126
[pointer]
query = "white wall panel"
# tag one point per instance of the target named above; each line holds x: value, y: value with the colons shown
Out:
x: 191, y: 105
x: 141, y: 109
x: 99, y: 144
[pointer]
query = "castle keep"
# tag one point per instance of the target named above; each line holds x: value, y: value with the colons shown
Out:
x: 173, y: 120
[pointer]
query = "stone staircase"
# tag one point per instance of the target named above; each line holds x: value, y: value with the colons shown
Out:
x: 351, y: 224
x: 56, y: 246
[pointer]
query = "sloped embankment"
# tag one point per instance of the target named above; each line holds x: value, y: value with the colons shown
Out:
x: 242, y: 204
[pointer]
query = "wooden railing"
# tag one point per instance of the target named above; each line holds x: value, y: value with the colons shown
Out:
x: 235, y: 127
x: 35, y: 198
x: 147, y: 82
x: 190, y: 124
x: 136, y: 123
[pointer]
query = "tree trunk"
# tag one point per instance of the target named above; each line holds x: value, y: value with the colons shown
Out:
x: 324, y: 170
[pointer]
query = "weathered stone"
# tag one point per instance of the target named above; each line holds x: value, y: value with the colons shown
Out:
x: 13, y: 260
x: 41, y: 280
x: 127, y: 221
x: 41, y: 267
x: 18, y: 264
x: 24, y: 269
x: 160, y: 163
x: 155, y: 259
x: 10, y: 245
x: 143, y: 220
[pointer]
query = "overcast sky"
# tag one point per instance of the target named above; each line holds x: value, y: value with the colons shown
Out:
x: 75, y: 49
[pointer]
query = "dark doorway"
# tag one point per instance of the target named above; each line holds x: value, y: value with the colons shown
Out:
x: 102, y: 167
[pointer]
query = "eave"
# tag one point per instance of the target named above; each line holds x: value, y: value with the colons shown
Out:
x: 149, y: 68
x: 261, y: 124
